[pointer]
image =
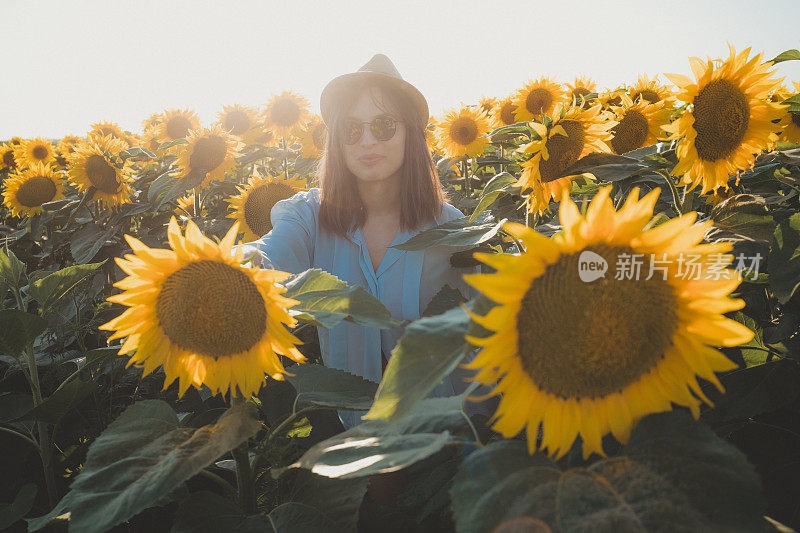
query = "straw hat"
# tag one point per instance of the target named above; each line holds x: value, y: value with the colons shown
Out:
x: 379, y: 67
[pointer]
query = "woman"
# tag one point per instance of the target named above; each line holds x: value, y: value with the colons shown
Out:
x: 378, y: 188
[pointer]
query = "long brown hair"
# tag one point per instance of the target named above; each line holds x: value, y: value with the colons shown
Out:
x: 421, y: 195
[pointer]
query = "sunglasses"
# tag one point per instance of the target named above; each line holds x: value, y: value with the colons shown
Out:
x: 383, y: 128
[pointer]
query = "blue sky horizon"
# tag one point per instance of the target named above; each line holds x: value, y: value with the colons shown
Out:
x: 76, y: 63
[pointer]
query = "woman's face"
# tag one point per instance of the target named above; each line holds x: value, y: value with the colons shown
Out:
x: 369, y: 159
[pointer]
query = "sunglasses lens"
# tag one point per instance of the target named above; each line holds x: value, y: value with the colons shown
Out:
x: 352, y: 132
x: 383, y: 128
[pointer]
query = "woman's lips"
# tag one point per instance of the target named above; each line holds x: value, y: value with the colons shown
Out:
x: 370, y: 159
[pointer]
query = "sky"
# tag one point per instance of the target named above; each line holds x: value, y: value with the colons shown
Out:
x: 68, y: 64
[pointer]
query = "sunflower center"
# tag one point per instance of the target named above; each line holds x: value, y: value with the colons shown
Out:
x: 631, y: 132
x: 563, y: 150
x: 259, y: 204
x: 212, y: 309
x: 285, y: 113
x: 35, y: 191
x: 178, y: 127
x: 647, y: 94
x: 721, y: 117
x: 538, y: 101
x: 8, y: 158
x: 589, y: 339
x: 507, y: 113
x: 101, y: 174
x: 209, y: 153
x: 318, y: 136
x: 615, y: 101
x: 463, y: 131
x: 40, y: 152
x: 796, y: 119
x: 237, y: 122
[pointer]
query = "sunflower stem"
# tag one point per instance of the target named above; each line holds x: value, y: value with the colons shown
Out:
x: 197, y: 208
x: 467, y: 182
x: 675, y: 196
x: 45, y: 446
x: 285, y: 159
x: 244, y: 475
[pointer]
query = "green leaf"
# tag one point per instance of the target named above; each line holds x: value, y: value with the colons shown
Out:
x: 675, y: 474
x: 23, y: 502
x: 137, y: 153
x: 87, y: 241
x: 50, y: 289
x: 329, y: 300
x: 322, y: 386
x: 754, y: 352
x: 66, y: 397
x: 458, y: 232
x: 12, y: 269
x: 756, y: 390
x: 338, y: 499
x: 17, y: 330
x: 784, y: 258
x: 429, y: 350
x: 788, y: 55
x: 606, y: 167
x: 168, y: 187
x: 743, y: 217
x: 140, y: 459
x: 378, y: 446
x: 447, y: 298
x: 496, y: 186
x: 794, y: 105
x: 14, y: 406
x: 206, y: 512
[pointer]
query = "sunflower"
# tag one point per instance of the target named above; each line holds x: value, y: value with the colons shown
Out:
x: 212, y: 151
x: 593, y: 357
x: 503, y: 113
x: 16, y: 140
x: 252, y: 207
x: 186, y: 205
x: 640, y: 124
x: 149, y: 139
x: 790, y: 123
x: 177, y: 124
x: 153, y: 120
x: 27, y: 191
x: 94, y: 164
x: 487, y: 104
x: 462, y: 132
x: 265, y: 136
x: 312, y: 138
x: 7, y: 156
x: 67, y: 144
x: 582, y: 87
x: 284, y: 112
x: 730, y: 120
x: 651, y: 91
x: 536, y: 98
x: 578, y: 133
x: 101, y: 129
x: 38, y: 150
x: 195, y: 310
x: 241, y: 121
x: 611, y: 98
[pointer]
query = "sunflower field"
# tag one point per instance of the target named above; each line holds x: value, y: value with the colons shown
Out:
x: 636, y: 325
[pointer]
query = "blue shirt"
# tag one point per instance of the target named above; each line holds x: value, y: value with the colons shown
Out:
x: 405, y: 282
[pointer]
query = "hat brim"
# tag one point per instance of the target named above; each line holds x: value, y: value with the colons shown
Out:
x: 339, y: 86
